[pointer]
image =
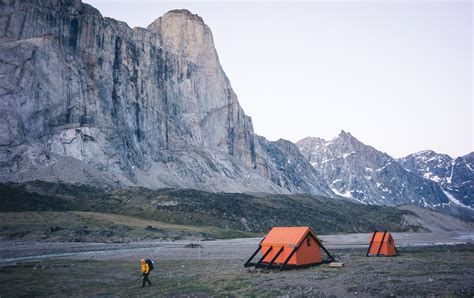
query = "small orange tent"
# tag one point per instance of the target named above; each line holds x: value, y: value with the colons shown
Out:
x: 289, y: 247
x: 382, y: 244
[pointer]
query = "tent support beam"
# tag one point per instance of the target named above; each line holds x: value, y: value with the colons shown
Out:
x: 371, y: 242
x: 381, y: 243
x: 274, y: 258
x: 247, y: 264
x: 264, y: 256
x: 289, y: 257
x: 331, y: 258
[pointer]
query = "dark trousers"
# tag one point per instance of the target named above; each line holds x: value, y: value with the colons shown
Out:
x: 146, y: 280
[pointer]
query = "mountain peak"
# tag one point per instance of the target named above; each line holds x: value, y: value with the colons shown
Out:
x: 427, y: 155
x: 344, y: 134
x: 469, y: 155
x: 346, y: 137
x: 186, y: 33
x: 184, y: 13
x: 361, y: 172
x: 179, y: 17
x: 311, y: 140
x: 425, y: 152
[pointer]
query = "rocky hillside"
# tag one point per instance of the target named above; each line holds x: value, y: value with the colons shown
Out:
x: 87, y: 99
x: 455, y: 176
x: 43, y: 211
x: 236, y: 211
x: 360, y: 172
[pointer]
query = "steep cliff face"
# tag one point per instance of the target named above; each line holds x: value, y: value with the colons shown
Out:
x: 87, y: 99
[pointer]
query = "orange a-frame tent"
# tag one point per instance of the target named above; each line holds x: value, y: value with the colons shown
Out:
x: 289, y: 247
x: 381, y: 245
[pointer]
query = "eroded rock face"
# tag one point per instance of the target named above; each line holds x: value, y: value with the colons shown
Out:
x: 149, y: 107
x: 289, y: 168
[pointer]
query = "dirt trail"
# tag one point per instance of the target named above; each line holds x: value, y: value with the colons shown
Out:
x: 13, y: 251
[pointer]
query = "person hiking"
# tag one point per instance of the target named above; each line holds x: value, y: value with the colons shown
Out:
x: 147, y: 266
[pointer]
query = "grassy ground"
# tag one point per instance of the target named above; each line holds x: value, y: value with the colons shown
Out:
x: 95, y: 226
x: 439, y: 271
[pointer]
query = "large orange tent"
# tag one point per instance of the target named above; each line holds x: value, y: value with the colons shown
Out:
x: 382, y: 244
x: 289, y: 247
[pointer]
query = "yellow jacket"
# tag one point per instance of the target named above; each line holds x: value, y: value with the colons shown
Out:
x: 145, y: 267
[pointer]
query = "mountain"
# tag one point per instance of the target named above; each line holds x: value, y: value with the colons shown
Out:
x: 362, y: 173
x: 286, y: 158
x: 87, y: 99
x: 455, y: 176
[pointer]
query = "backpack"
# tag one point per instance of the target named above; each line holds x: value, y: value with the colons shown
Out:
x: 150, y: 263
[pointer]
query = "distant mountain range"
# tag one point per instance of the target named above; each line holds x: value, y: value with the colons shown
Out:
x: 360, y: 172
x: 455, y: 176
x: 88, y: 100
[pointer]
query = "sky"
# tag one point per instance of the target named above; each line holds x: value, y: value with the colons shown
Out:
x: 397, y: 75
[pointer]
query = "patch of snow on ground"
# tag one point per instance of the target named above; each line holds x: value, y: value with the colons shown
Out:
x: 328, y: 160
x: 424, y: 202
x: 453, y: 200
x: 469, y: 166
x: 346, y: 194
x: 347, y: 154
x: 432, y: 177
x: 452, y: 170
x: 466, y: 237
x: 381, y: 169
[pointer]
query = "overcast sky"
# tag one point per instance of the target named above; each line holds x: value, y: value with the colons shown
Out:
x: 397, y: 75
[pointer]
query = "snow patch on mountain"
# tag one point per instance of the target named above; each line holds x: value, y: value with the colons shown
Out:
x: 453, y: 200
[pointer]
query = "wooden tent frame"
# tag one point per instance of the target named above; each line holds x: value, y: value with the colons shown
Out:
x: 380, y: 247
x: 284, y: 265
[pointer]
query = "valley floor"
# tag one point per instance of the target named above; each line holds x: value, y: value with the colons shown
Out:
x: 240, y: 248
x: 216, y: 268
